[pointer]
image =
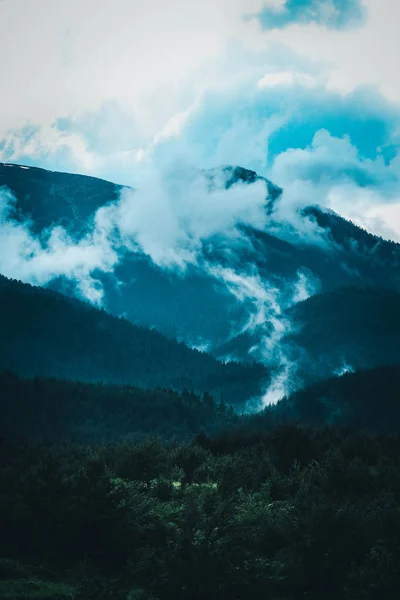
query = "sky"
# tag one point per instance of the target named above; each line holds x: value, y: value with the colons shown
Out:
x: 305, y: 92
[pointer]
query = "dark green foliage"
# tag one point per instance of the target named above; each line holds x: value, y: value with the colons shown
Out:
x: 56, y: 409
x: 239, y: 516
x: 44, y: 333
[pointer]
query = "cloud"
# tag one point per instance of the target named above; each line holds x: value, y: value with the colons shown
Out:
x: 250, y: 98
x: 332, y: 173
x: 39, y: 259
x: 354, y: 56
x: 250, y: 288
x: 319, y: 145
x: 335, y: 160
x: 368, y: 209
x: 334, y: 14
x: 306, y: 286
x: 169, y: 219
x: 267, y: 323
x: 286, y: 78
x: 73, y: 56
x: 175, y: 210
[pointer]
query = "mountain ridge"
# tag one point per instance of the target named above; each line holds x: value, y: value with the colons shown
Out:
x: 47, y: 334
x: 233, y: 292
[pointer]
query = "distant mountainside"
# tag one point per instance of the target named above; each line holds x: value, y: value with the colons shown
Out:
x: 329, y: 334
x: 44, y: 333
x: 346, y: 329
x: 367, y: 398
x: 239, y: 302
x: 50, y: 198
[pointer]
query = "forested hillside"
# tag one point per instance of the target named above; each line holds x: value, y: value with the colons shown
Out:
x: 55, y: 409
x: 350, y: 328
x: 366, y: 399
x: 44, y: 333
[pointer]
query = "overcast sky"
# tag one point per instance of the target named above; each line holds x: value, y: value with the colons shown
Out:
x: 306, y: 92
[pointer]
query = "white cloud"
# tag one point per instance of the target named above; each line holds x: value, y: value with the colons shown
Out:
x: 158, y: 61
x: 331, y: 173
x: 38, y: 260
x: 289, y: 78
x: 63, y: 57
x: 367, y: 210
x: 173, y: 212
x: 364, y: 56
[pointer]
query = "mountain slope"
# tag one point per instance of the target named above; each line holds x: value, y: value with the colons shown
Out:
x: 344, y: 329
x: 50, y: 198
x: 368, y: 398
x: 44, y: 333
x: 215, y: 302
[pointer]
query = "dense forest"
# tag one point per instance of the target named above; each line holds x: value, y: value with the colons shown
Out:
x: 119, y: 492
x: 286, y: 514
x: 47, y: 334
x: 39, y: 409
x: 53, y: 409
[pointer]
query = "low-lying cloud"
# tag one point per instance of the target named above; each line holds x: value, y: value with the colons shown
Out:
x: 39, y: 259
x: 173, y: 213
x: 169, y: 220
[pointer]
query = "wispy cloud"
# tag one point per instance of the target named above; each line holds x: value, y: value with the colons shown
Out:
x: 40, y: 258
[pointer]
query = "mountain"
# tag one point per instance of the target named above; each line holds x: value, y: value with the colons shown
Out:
x: 332, y: 333
x: 237, y: 300
x: 50, y: 198
x: 44, y: 333
x: 95, y: 504
x: 367, y: 399
x: 345, y: 329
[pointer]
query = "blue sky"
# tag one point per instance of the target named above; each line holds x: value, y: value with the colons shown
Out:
x: 335, y: 14
x: 303, y: 91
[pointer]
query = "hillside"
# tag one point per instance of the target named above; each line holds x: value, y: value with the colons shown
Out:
x: 44, y: 333
x: 365, y: 399
x: 49, y: 197
x: 349, y: 328
x: 199, y: 305
x: 54, y: 409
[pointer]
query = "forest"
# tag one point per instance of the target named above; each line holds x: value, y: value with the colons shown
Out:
x: 117, y: 492
x: 289, y: 513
